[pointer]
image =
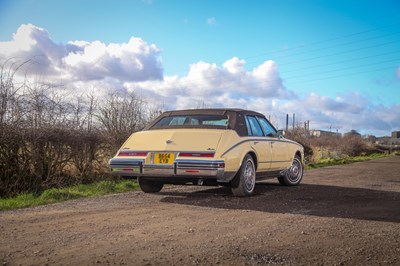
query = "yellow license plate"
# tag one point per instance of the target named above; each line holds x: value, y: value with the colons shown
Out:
x: 164, y: 158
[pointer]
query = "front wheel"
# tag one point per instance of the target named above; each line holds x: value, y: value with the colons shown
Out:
x: 294, y: 174
x: 150, y: 186
x: 245, y: 180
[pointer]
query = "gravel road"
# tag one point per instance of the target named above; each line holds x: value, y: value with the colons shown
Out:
x: 340, y: 215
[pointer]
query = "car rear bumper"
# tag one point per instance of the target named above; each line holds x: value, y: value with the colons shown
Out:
x: 200, y: 169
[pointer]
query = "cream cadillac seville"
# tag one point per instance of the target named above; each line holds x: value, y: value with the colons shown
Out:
x: 230, y: 147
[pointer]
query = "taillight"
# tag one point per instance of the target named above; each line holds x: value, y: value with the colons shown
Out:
x: 133, y: 153
x: 197, y: 154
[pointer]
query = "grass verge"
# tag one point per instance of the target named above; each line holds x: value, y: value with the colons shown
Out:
x: 346, y: 160
x: 54, y: 195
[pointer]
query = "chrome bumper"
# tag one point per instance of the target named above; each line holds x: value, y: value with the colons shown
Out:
x: 180, y: 168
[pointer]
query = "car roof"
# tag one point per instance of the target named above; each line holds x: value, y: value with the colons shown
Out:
x: 236, y: 117
x: 211, y: 111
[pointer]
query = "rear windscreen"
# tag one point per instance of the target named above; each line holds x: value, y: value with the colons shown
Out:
x: 195, y: 121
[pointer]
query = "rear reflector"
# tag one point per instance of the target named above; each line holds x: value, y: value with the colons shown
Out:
x: 197, y: 154
x: 133, y: 153
x: 192, y: 171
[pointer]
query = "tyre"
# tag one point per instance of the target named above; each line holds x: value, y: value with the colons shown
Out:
x: 149, y: 186
x: 245, y: 180
x: 294, y: 174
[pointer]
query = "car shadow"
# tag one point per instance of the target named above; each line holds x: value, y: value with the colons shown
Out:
x: 306, y: 199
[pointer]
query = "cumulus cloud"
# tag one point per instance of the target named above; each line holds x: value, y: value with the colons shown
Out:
x: 344, y: 113
x: 31, y: 42
x: 339, y: 104
x: 132, y: 61
x: 81, y: 60
x: 227, y: 85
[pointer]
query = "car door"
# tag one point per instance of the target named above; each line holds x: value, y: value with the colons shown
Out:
x: 279, y: 148
x: 259, y: 143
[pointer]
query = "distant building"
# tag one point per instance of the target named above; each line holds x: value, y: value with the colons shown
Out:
x: 352, y: 133
x: 395, y: 138
x: 396, y: 135
x: 388, y: 140
x: 370, y: 138
x: 322, y: 133
x: 383, y: 140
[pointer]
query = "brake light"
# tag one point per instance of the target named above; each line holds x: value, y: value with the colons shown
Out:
x: 197, y: 154
x: 133, y: 153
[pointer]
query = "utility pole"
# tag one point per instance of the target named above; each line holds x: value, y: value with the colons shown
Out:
x: 293, y: 120
x: 287, y: 122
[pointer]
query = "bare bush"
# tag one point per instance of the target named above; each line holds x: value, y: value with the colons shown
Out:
x: 50, y: 140
x: 330, y: 146
x: 120, y: 115
x: 301, y: 136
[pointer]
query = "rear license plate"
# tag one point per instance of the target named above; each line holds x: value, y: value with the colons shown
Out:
x: 164, y: 158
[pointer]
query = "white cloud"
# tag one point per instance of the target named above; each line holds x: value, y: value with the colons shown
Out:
x: 81, y: 60
x: 132, y: 61
x: 31, y: 42
x: 218, y: 86
x: 350, y: 111
x: 211, y: 21
x: 234, y: 65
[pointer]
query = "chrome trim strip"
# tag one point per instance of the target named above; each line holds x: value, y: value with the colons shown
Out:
x: 200, y: 165
x: 257, y: 139
x: 286, y: 161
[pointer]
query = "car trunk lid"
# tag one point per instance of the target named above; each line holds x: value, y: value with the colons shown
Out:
x: 198, y: 140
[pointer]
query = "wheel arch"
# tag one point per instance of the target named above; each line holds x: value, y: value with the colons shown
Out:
x: 254, y: 156
x: 301, y: 155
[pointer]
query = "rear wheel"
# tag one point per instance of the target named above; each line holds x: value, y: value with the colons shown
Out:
x: 245, y: 180
x: 294, y: 174
x: 150, y: 186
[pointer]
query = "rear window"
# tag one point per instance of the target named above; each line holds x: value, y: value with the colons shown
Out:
x: 194, y: 121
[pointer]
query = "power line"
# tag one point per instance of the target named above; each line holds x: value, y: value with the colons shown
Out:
x: 329, y: 47
x: 346, y: 75
x: 340, y: 62
x: 345, y: 68
x: 319, y: 42
x: 339, y: 53
x: 343, y: 52
x: 327, y: 40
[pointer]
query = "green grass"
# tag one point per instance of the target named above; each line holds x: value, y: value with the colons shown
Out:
x: 54, y: 195
x: 346, y: 160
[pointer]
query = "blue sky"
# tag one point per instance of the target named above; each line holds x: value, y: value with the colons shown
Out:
x: 335, y: 63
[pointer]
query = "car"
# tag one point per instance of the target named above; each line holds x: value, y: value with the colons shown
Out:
x: 226, y: 147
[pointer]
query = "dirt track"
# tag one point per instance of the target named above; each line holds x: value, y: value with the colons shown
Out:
x: 341, y: 215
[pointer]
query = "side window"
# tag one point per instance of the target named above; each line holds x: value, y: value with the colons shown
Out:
x: 254, y: 126
x: 267, y: 128
x: 248, y: 127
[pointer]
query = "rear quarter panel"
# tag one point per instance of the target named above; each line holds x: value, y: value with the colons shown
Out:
x: 233, y: 148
